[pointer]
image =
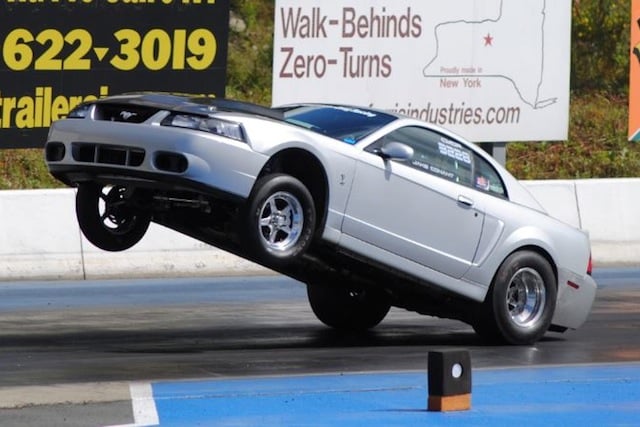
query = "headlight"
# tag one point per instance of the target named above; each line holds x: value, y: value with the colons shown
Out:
x: 207, y: 124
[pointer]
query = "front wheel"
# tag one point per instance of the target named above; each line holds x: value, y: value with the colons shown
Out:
x: 279, y: 220
x: 347, y: 307
x: 108, y: 218
x: 521, y: 300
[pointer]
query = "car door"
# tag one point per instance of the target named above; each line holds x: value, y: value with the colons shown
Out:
x: 422, y: 208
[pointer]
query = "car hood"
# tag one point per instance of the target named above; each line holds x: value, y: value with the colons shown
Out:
x: 189, y: 104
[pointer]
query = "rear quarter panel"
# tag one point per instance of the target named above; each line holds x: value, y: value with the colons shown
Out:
x: 568, y: 247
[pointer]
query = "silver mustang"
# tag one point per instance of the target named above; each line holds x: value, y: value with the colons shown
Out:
x: 369, y: 209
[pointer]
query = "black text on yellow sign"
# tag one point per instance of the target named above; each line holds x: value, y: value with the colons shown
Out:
x: 155, y: 49
x: 40, y: 109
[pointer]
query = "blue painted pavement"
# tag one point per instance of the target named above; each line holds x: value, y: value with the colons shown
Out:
x: 599, y: 395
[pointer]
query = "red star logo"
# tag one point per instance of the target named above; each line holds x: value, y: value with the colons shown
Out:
x: 488, y: 40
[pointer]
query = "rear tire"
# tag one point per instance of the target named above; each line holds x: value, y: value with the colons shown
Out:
x: 347, y: 307
x: 108, y: 219
x: 521, y: 301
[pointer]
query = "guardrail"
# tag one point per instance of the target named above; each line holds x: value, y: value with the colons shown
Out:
x: 40, y: 238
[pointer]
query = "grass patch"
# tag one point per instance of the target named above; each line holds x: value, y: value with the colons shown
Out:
x: 25, y: 169
x: 597, y: 146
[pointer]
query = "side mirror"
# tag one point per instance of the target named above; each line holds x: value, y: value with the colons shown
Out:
x: 395, y: 151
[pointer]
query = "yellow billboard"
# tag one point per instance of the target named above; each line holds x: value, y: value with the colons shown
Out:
x: 58, y: 53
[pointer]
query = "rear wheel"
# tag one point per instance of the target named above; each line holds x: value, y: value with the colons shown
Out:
x: 521, y: 300
x: 347, y: 307
x: 108, y: 218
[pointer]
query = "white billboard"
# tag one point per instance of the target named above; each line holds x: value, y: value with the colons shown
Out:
x: 492, y: 70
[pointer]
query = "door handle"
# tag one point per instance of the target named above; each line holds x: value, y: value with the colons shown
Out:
x: 463, y: 200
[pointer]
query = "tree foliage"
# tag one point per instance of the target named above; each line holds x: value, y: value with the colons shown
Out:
x: 597, y: 146
x: 600, y: 46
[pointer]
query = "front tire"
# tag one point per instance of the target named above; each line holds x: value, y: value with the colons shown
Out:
x: 280, y: 219
x: 347, y: 307
x: 521, y: 300
x: 108, y: 219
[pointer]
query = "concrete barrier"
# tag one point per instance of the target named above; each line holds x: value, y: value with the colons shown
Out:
x: 608, y: 208
x: 40, y: 237
x: 40, y: 240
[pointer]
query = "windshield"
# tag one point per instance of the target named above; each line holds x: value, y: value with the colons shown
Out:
x: 348, y: 124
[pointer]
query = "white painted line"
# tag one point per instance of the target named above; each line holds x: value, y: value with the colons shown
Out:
x: 143, y: 405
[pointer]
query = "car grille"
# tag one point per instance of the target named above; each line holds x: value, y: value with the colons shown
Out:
x: 107, y: 154
x: 123, y: 113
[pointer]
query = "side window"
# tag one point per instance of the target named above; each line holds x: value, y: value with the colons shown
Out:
x: 486, y: 178
x: 433, y: 153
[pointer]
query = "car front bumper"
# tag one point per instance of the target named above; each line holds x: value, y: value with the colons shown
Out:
x: 81, y: 150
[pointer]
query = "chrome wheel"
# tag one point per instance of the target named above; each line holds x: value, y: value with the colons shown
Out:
x: 281, y: 221
x: 278, y: 221
x: 526, y: 297
x: 521, y: 301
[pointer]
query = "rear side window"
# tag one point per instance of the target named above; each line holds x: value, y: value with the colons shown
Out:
x: 486, y: 178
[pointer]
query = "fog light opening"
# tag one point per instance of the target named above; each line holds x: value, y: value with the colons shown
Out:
x: 55, y: 151
x: 171, y: 162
